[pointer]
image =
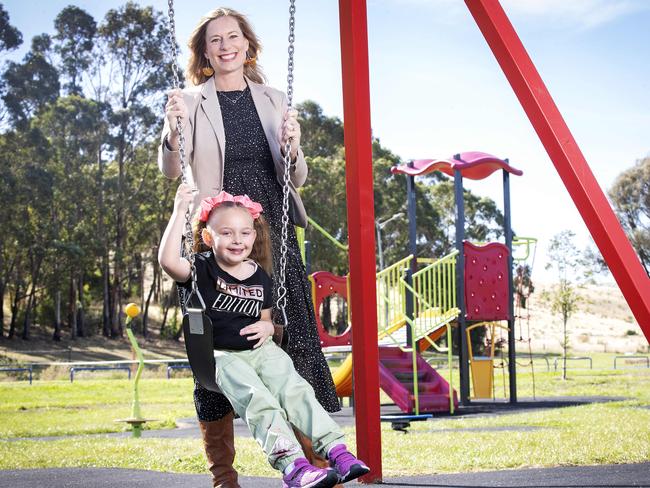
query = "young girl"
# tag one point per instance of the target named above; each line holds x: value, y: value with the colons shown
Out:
x: 255, y: 374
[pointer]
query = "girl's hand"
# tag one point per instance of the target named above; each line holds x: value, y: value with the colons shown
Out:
x: 290, y: 132
x: 259, y: 331
x: 175, y: 108
x: 184, y: 197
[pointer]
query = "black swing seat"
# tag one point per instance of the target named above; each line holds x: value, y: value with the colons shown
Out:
x: 197, y: 331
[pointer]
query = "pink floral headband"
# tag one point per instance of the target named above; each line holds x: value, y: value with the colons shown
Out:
x: 210, y: 203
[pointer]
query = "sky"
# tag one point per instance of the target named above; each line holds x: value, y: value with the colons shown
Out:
x: 437, y: 90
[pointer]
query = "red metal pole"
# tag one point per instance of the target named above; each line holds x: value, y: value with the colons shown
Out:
x: 361, y: 231
x: 569, y: 161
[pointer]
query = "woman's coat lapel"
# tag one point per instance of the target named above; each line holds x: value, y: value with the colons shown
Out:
x: 266, y: 110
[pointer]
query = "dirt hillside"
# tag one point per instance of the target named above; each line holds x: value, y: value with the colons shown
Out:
x: 603, y: 323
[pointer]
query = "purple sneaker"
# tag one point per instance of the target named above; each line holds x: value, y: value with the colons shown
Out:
x: 304, y: 475
x: 346, y: 465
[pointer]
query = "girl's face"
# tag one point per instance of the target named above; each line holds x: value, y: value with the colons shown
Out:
x: 231, y: 234
x: 226, y: 46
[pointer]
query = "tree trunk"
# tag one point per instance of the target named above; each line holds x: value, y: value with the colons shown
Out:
x: 116, y: 306
x: 56, y: 336
x: 145, y: 315
x: 156, y: 273
x: 72, y: 306
x: 5, y: 278
x: 645, y: 260
x: 106, y: 305
x: 31, y: 300
x: 167, y: 302
x: 81, y: 316
x: 14, y: 312
x: 120, y: 225
x: 106, y: 302
x: 179, y: 331
x: 564, y: 347
x: 27, y: 322
x: 2, y: 308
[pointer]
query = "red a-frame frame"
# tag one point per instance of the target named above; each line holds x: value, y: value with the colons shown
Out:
x: 560, y: 146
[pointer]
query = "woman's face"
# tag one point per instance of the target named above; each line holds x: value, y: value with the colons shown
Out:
x: 226, y: 46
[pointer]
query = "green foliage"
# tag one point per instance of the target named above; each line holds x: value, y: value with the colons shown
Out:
x: 74, y: 42
x: 81, y: 190
x: 30, y: 85
x: 630, y: 195
x: 10, y: 37
x: 83, y: 204
x: 325, y: 200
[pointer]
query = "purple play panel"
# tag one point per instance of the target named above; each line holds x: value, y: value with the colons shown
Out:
x: 474, y: 165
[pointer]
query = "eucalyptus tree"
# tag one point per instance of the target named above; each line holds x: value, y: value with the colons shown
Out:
x: 630, y: 195
x: 27, y: 236
x: 31, y: 84
x: 10, y: 39
x: 74, y: 127
x: 74, y: 41
x: 134, y: 53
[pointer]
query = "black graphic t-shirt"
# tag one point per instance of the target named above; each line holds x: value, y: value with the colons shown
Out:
x: 231, y: 303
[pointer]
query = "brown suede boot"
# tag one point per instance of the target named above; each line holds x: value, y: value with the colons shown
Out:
x: 308, y: 448
x: 219, y: 444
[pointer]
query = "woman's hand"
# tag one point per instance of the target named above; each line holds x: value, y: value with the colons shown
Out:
x: 184, y: 197
x: 290, y: 132
x: 259, y: 331
x: 175, y: 108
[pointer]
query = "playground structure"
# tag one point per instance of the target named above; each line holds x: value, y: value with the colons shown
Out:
x: 416, y: 307
x: 484, y: 273
x: 554, y: 135
x: 440, y: 288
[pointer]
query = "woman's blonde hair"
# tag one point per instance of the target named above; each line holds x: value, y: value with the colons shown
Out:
x: 198, y: 61
x: 261, y: 252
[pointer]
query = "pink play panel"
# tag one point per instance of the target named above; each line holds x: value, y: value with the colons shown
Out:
x: 486, y: 281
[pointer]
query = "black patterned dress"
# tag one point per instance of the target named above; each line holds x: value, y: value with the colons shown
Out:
x: 249, y: 170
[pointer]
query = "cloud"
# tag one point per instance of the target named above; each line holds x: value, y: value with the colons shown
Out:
x: 585, y: 13
x: 571, y: 13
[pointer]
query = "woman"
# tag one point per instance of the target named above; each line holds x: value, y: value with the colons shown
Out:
x: 235, y: 129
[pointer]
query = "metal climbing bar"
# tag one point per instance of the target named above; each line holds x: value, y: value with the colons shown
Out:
x: 390, y: 296
x: 435, y: 302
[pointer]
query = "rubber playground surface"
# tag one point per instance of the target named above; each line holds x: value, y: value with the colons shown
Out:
x: 616, y: 476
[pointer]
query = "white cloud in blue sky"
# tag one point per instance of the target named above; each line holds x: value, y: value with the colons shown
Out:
x: 564, y: 13
x: 585, y: 13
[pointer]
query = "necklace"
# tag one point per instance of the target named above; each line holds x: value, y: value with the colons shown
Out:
x: 236, y: 99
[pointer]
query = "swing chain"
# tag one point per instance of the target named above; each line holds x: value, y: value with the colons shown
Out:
x: 281, y: 301
x: 189, y: 238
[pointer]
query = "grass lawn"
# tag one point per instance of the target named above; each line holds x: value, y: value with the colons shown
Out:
x: 614, y: 432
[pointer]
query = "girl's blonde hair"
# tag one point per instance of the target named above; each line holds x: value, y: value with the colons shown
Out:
x: 197, y: 61
x: 261, y: 252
